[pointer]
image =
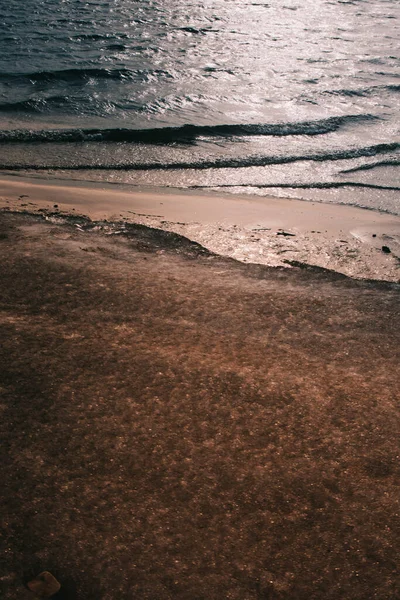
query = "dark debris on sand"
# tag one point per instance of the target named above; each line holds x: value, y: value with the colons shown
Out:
x: 198, y: 429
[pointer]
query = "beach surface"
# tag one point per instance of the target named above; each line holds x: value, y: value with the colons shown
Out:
x: 180, y: 425
x: 271, y: 231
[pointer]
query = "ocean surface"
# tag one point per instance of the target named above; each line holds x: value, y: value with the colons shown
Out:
x: 289, y: 98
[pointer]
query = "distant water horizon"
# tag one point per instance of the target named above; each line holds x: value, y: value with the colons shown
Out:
x: 284, y: 98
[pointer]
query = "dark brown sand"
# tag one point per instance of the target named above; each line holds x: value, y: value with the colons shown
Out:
x: 176, y: 425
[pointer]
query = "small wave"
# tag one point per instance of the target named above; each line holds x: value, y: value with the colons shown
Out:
x: 318, y: 185
x: 382, y: 163
x: 231, y: 163
x: 68, y: 104
x: 89, y: 36
x: 369, y: 91
x: 81, y: 75
x: 117, y: 47
x: 32, y: 106
x: 193, y: 30
x: 165, y: 135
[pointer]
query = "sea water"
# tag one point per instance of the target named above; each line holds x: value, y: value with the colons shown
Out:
x: 290, y: 98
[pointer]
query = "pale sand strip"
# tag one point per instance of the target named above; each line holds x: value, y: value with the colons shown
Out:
x: 251, y: 229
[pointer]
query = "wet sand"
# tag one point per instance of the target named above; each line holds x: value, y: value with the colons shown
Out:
x: 179, y: 425
x: 266, y: 230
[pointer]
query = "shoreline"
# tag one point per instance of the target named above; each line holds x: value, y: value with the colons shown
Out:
x: 356, y: 242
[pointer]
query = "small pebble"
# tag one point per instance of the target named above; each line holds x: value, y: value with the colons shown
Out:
x: 44, y: 585
x: 386, y: 249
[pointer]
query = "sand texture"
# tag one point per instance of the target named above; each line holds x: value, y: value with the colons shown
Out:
x: 177, y: 425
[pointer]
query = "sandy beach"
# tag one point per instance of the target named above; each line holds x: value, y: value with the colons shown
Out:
x: 271, y: 231
x: 199, y: 300
x: 177, y: 424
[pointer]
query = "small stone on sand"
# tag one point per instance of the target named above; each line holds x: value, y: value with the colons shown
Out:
x: 44, y: 585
